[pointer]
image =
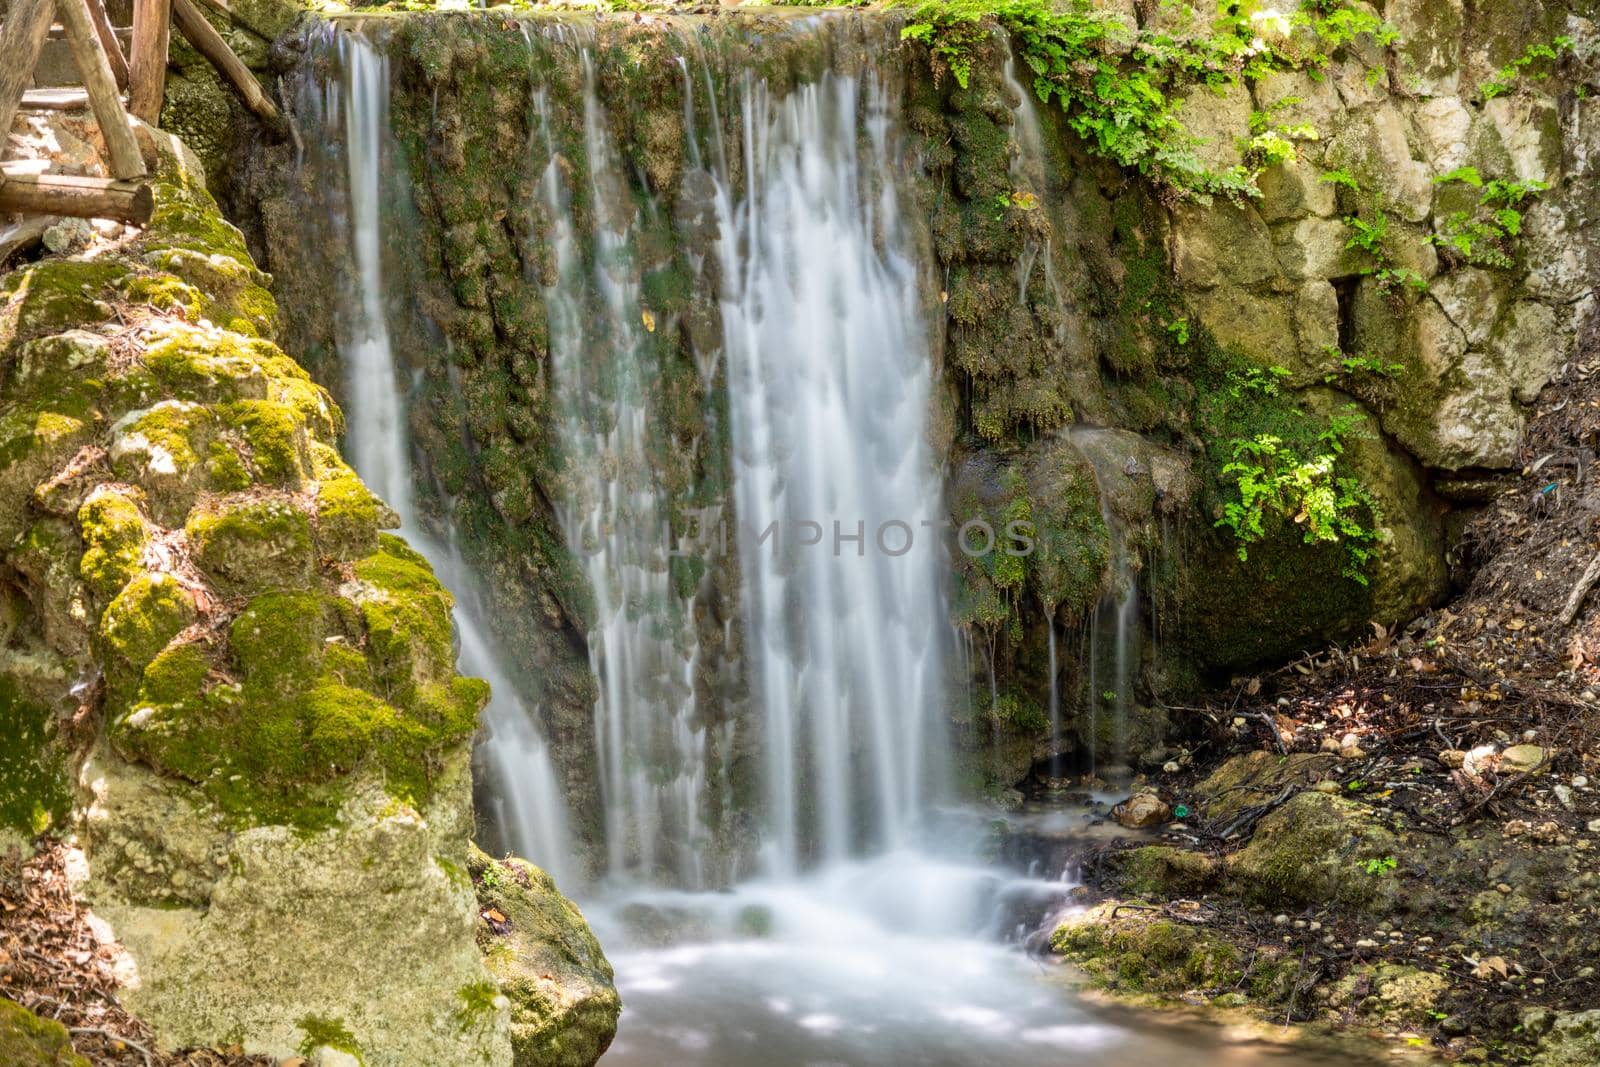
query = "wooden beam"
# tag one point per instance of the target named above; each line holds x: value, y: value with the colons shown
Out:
x: 83, y: 198
x: 147, y: 67
x: 108, y: 41
x: 125, y: 161
x: 209, y: 43
x: 21, y: 40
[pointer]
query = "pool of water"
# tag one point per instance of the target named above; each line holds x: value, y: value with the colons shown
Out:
x: 912, y: 958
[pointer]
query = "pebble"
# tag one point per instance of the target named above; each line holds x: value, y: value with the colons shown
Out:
x: 1503, y: 889
x: 1316, y: 926
x: 1366, y: 942
x: 1580, y: 782
x: 1171, y: 767
x: 1587, y: 972
x: 1299, y: 924
x: 1563, y: 794
x: 1327, y: 785
x: 1280, y: 920
x: 1594, y: 826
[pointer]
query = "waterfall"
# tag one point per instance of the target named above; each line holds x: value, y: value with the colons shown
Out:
x: 642, y: 642
x: 1114, y: 628
x: 836, y: 489
x: 532, y: 810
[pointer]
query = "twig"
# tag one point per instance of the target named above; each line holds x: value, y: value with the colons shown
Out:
x: 118, y: 1038
x: 1591, y: 574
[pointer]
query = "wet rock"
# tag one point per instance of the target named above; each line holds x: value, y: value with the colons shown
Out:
x: 1141, y: 810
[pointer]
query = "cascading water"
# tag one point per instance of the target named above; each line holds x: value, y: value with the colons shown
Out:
x: 864, y: 941
x: 642, y: 645
x: 532, y: 810
x: 837, y: 492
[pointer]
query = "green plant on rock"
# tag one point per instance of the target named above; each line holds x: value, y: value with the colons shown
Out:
x: 1371, y: 235
x: 1275, y: 480
x: 1505, y: 79
x: 1272, y: 143
x: 1118, y: 87
x: 1484, y: 235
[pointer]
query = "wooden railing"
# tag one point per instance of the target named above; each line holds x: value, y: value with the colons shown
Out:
x: 106, y: 74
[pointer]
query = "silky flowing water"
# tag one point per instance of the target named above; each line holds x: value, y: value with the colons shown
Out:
x: 873, y: 926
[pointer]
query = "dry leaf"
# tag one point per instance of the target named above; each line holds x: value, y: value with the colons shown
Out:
x: 494, y: 916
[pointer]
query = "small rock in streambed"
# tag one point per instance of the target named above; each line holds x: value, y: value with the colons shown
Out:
x: 1453, y: 758
x: 1141, y: 810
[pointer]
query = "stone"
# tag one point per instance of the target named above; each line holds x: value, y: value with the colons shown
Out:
x: 1453, y: 758
x: 1375, y: 148
x: 1526, y: 341
x: 1313, y: 851
x: 1530, y: 130
x: 1524, y: 759
x: 1573, y: 1038
x: 1444, y: 125
x: 1141, y: 810
x: 564, y: 1005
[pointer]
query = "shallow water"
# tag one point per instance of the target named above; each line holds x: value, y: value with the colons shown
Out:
x: 900, y: 960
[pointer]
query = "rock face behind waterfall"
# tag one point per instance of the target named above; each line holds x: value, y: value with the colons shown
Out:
x: 213, y: 657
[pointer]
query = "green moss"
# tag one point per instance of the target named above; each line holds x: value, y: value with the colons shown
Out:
x: 35, y: 791
x: 323, y: 1032
x: 252, y: 545
x: 150, y: 611
x: 348, y: 516
x: 1313, y: 851
x: 29, y: 1041
x: 164, y: 293
x: 114, y: 538
x: 407, y: 617
x: 1164, y: 872
x: 277, y: 641
x: 56, y: 295
x: 173, y: 433
x: 275, y: 438
x: 1140, y: 955
x: 224, y: 468
x: 477, y: 1003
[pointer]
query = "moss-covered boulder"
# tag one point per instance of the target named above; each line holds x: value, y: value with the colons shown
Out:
x: 280, y: 785
x: 1138, y: 951
x: 29, y: 1041
x: 540, y: 950
x: 1318, y: 849
x: 1164, y: 872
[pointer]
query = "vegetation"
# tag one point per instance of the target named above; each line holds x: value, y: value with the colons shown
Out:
x: 1121, y: 87
x: 1531, y: 63
x: 1484, y: 235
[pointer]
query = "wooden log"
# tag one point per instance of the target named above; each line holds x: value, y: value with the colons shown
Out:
x: 108, y: 41
x: 56, y: 99
x: 83, y: 198
x: 209, y: 43
x: 125, y: 160
x: 147, y: 67
x: 21, y: 40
